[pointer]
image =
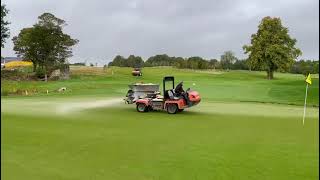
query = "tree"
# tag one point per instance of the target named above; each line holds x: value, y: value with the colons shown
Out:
x: 197, y: 62
x: 316, y: 67
x: 138, y: 62
x: 135, y: 61
x: 4, y: 25
x: 227, y: 59
x: 214, y: 63
x: 23, y: 46
x: 179, y: 62
x: 203, y: 64
x: 118, y: 61
x: 240, y: 65
x: 160, y: 60
x: 271, y: 47
x: 131, y: 61
x: 305, y: 66
x: 45, y: 44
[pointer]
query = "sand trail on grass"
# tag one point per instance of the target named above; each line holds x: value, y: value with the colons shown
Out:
x: 82, y: 105
x: 57, y: 106
x: 68, y: 106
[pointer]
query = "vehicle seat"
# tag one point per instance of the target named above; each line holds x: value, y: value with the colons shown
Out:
x: 172, y: 94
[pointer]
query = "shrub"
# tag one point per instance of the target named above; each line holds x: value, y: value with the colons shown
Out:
x: 4, y: 92
x: 40, y: 73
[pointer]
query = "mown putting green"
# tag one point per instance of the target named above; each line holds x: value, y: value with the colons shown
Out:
x: 246, y: 127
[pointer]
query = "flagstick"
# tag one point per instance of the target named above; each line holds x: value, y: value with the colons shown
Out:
x: 305, y: 103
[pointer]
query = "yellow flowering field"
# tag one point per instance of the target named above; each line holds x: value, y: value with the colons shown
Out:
x: 15, y: 64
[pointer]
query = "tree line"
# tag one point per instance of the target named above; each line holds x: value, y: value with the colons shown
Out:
x: 228, y: 61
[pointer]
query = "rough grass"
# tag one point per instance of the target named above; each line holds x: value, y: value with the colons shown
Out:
x: 88, y: 70
x: 221, y: 138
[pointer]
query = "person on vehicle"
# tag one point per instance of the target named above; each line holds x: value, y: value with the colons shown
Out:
x: 180, y: 92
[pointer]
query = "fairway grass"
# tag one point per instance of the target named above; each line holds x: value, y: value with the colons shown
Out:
x: 116, y: 142
x: 245, y: 127
x: 67, y: 106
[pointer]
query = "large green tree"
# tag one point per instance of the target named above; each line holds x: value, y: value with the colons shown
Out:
x: 271, y: 47
x: 45, y: 44
x: 4, y: 25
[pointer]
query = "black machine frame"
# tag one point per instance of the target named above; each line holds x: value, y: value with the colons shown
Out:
x: 166, y: 79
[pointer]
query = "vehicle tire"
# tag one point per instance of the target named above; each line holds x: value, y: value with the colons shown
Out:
x: 180, y: 110
x: 142, y: 107
x: 172, y: 108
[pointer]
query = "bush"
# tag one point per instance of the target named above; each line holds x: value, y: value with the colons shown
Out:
x: 40, y: 73
x: 14, y: 74
x: 4, y: 92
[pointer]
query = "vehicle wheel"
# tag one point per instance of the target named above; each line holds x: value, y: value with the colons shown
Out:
x: 172, y: 108
x: 142, y: 107
x: 180, y: 110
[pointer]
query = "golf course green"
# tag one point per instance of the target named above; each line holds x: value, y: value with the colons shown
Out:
x: 245, y: 127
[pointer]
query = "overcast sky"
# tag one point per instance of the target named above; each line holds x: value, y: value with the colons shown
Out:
x: 183, y: 28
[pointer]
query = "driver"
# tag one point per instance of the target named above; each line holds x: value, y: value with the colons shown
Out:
x: 180, y: 92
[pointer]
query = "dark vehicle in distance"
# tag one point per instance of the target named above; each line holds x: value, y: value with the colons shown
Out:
x: 136, y: 72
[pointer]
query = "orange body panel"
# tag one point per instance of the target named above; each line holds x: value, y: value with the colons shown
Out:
x: 180, y: 102
x: 194, y: 97
x: 143, y: 101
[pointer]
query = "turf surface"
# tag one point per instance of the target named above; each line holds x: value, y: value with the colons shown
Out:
x: 246, y: 127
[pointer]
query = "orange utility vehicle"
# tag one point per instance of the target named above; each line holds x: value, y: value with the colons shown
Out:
x: 136, y: 72
x: 173, y: 100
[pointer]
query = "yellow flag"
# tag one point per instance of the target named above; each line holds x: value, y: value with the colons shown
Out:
x: 308, y: 80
